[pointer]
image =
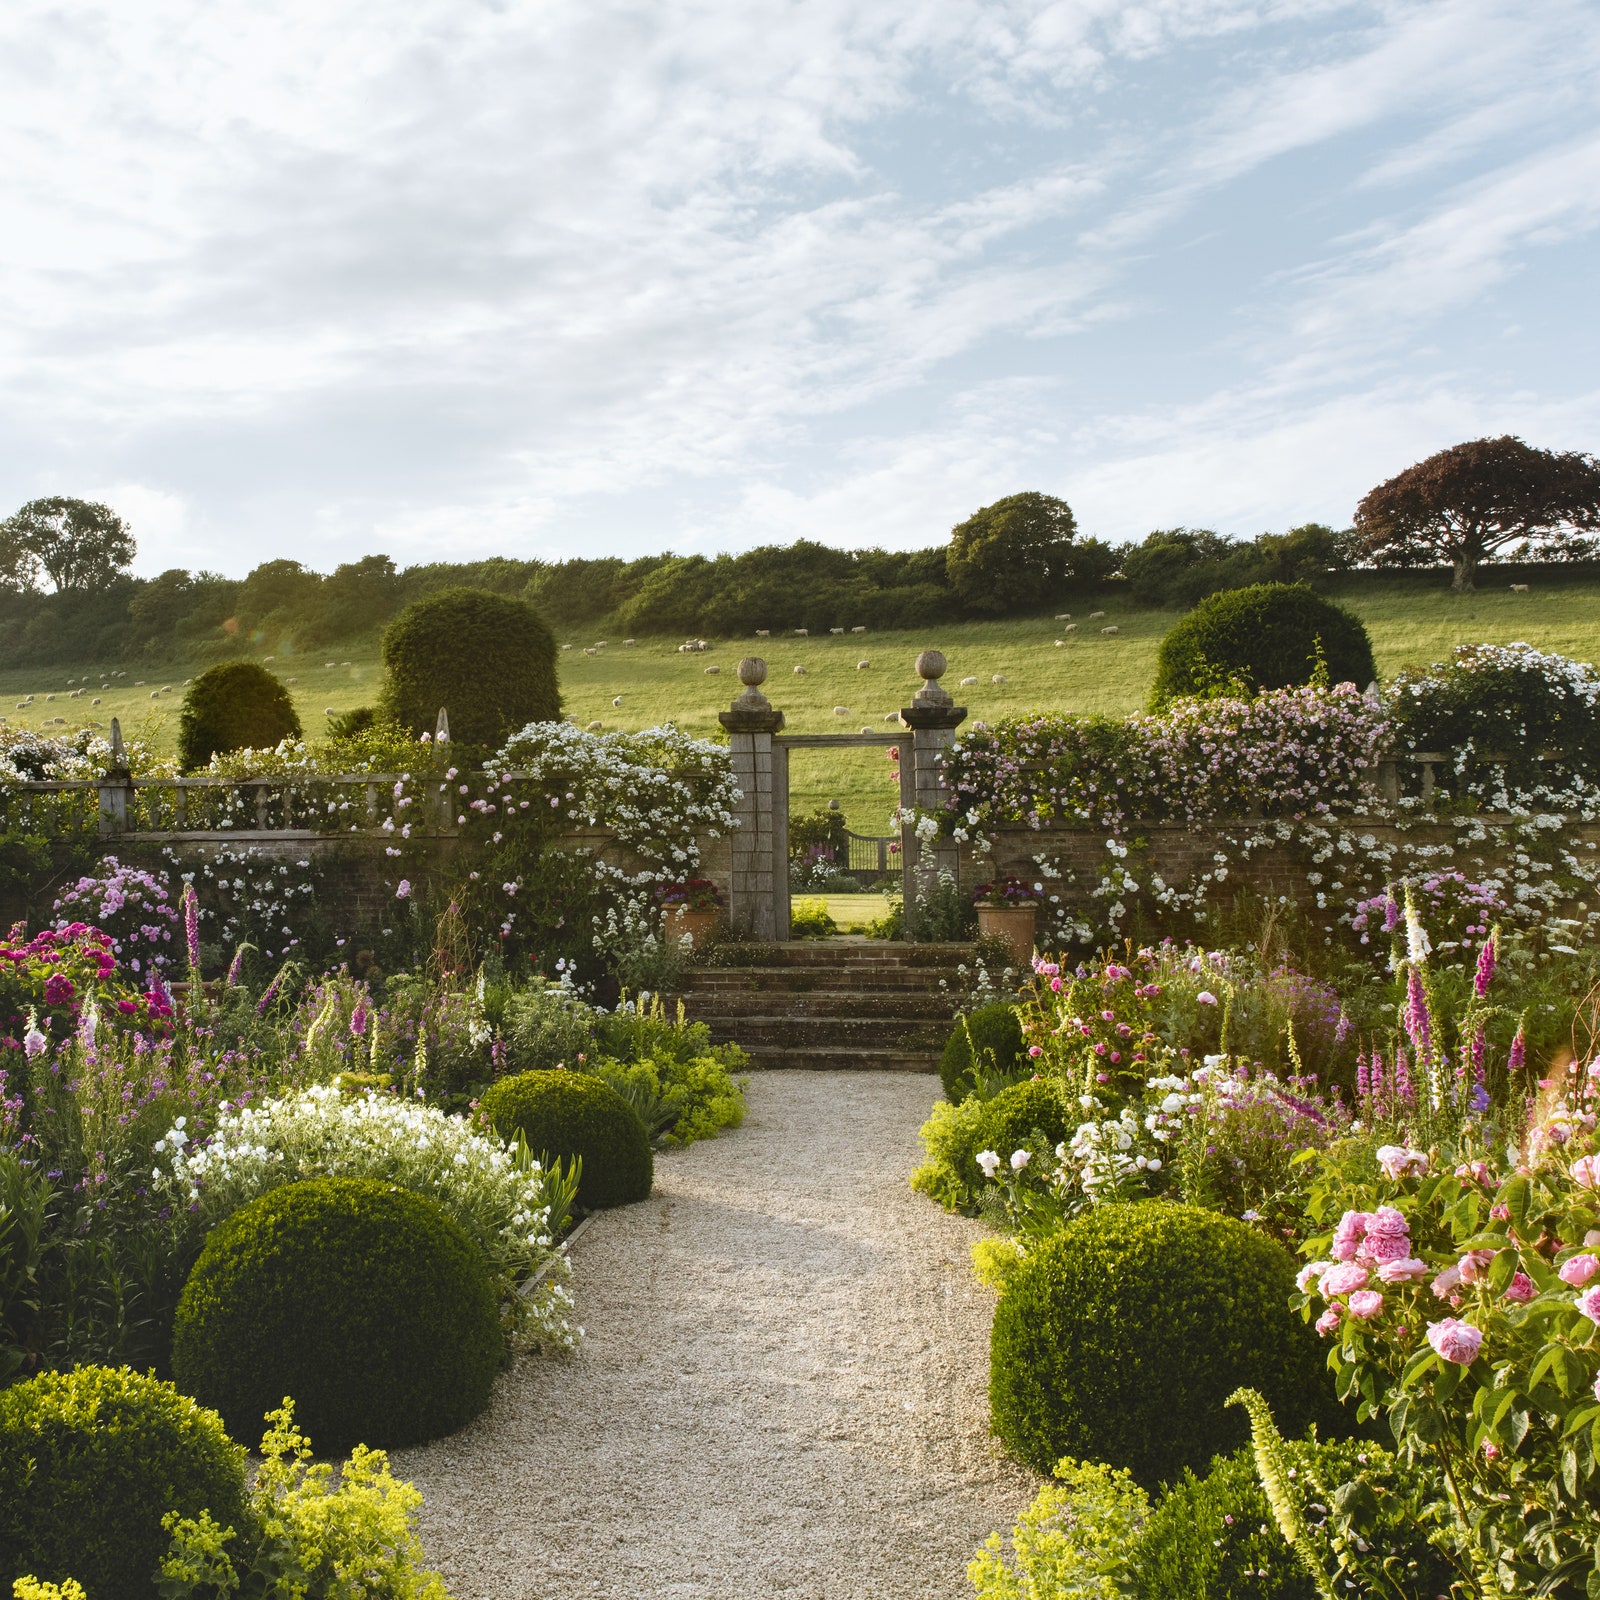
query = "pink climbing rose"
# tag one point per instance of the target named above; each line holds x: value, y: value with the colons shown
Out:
x: 1578, y: 1270
x: 1365, y: 1303
x: 1455, y: 1340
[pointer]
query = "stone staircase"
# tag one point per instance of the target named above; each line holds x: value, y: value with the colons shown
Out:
x: 836, y: 1003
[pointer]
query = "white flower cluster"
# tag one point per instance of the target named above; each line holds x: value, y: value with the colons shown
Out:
x: 1106, y: 1156
x: 496, y: 1194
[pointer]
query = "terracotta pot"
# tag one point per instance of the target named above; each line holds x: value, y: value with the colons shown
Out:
x: 698, y: 925
x: 1013, y: 924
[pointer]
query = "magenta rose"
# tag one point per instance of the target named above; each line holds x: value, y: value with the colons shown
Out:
x: 1520, y: 1290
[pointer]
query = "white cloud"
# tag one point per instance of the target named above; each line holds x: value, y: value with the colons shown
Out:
x: 329, y: 276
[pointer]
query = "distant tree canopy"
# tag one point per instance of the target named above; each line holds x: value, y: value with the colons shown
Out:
x: 1464, y: 504
x: 1181, y: 566
x: 79, y: 545
x: 1014, y: 555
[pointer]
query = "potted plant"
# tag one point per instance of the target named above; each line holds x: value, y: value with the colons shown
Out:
x: 690, y: 910
x: 1008, y: 909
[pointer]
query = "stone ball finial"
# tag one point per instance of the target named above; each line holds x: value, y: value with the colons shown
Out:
x: 930, y: 665
x: 752, y: 672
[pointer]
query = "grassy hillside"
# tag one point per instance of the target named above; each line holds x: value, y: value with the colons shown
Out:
x: 1090, y: 671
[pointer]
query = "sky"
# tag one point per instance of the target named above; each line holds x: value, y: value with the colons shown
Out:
x: 457, y: 278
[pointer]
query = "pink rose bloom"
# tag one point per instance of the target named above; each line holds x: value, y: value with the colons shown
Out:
x: 1455, y: 1340
x: 1408, y: 1270
x: 1586, y: 1172
x: 1396, y: 1161
x: 1446, y: 1284
x: 1597, y: 1388
x: 1520, y: 1289
x: 1386, y: 1220
x: 1365, y: 1303
x: 1474, y: 1265
x: 1347, y: 1237
x: 1589, y: 1303
x: 1578, y: 1270
x: 1386, y: 1246
x: 1342, y: 1279
x: 1309, y: 1274
x: 1328, y: 1322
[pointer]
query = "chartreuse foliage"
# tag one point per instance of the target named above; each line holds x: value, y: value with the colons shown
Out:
x: 236, y: 706
x: 303, y: 1536
x: 1269, y: 636
x: 366, y: 1303
x: 567, y: 1114
x: 488, y: 660
x: 1120, y: 1337
x: 90, y: 1462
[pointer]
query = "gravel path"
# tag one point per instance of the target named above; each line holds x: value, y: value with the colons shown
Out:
x: 782, y: 1390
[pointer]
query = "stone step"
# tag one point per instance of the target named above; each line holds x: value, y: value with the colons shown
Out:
x: 831, y: 1033
x: 760, y: 1002
x: 866, y: 952
x: 770, y: 1058
x: 815, y: 980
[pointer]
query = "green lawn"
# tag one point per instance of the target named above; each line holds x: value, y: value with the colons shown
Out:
x: 1088, y: 672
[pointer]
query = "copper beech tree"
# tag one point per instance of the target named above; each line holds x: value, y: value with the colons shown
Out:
x: 1465, y: 504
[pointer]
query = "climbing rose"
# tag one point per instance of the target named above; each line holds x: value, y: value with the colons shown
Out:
x: 1397, y: 1162
x: 1342, y: 1279
x: 58, y: 990
x: 1520, y: 1289
x: 1474, y: 1265
x: 1328, y: 1321
x: 1589, y: 1303
x: 1578, y: 1270
x: 1410, y: 1270
x: 1365, y: 1303
x: 1586, y: 1172
x: 1309, y: 1274
x: 1455, y: 1340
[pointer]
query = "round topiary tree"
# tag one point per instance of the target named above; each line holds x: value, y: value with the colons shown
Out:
x: 487, y: 660
x: 994, y: 1033
x: 90, y: 1462
x: 1269, y: 636
x: 366, y: 1304
x: 1120, y: 1338
x: 1015, y: 1115
x: 237, y: 706
x: 570, y: 1114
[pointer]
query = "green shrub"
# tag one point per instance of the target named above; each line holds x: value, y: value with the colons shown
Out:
x: 695, y: 1099
x: 573, y: 1114
x: 545, y: 1026
x: 1019, y: 1116
x: 1269, y: 636
x: 1120, y: 1338
x: 950, y: 1136
x: 995, y: 1034
x: 810, y: 919
x: 488, y: 660
x: 1028, y: 1115
x: 236, y: 706
x: 1217, y: 1535
x: 90, y: 1462
x: 368, y: 1305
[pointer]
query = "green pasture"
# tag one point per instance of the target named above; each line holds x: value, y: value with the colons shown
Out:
x: 1088, y: 671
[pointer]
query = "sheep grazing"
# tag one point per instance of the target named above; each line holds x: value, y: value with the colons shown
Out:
x: 1060, y: 643
x: 841, y: 711
x: 866, y: 730
x: 863, y: 666
x: 1063, y: 616
x: 629, y: 641
x: 595, y: 727
x: 1071, y: 627
x: 589, y: 650
x: 1112, y: 629
x: 616, y: 700
x: 999, y: 677
x: 600, y: 644
x: 802, y: 633
x: 712, y: 672
x: 967, y: 682
x: 763, y: 633
x: 835, y: 630
x: 1519, y: 588
x: 799, y: 672
x: 566, y: 647
x: 1095, y: 616
x: 858, y: 630
x: 891, y: 716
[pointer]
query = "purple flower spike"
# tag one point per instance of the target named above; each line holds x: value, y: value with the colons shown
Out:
x: 1484, y: 976
x: 191, y: 924
x: 1418, y: 1024
x: 1518, y: 1058
x: 235, y: 967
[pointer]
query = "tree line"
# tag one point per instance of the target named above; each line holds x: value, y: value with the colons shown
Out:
x: 66, y: 594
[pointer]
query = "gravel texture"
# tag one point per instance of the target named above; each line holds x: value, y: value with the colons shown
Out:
x: 782, y: 1390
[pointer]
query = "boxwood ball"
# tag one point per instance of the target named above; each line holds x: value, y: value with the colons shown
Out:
x: 366, y: 1304
x: 562, y: 1113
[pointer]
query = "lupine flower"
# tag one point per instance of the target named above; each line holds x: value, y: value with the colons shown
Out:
x: 1455, y: 1340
